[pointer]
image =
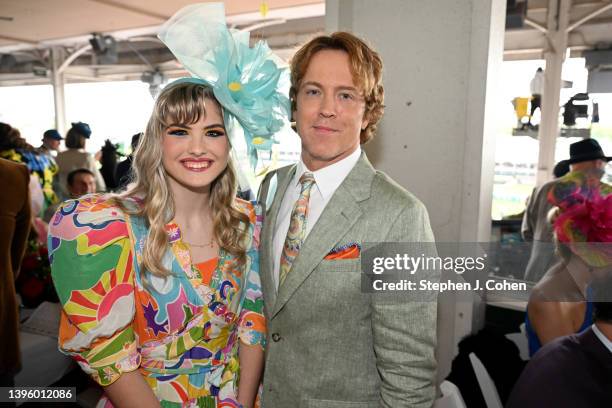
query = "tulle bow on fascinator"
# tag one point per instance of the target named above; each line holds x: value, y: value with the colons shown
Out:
x: 249, y: 83
x: 584, y: 223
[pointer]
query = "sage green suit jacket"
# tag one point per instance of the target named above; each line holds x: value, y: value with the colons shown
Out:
x: 330, y: 345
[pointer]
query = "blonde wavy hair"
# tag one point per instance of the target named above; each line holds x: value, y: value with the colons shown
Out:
x: 180, y: 103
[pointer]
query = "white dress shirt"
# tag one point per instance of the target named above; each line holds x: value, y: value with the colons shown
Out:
x: 606, y: 341
x: 327, y: 181
x: 536, y: 86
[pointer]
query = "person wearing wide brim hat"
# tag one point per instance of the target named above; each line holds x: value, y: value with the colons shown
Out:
x: 586, y: 167
x: 586, y: 154
x: 587, y: 164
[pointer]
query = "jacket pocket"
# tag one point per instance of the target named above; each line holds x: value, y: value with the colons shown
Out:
x: 340, y: 265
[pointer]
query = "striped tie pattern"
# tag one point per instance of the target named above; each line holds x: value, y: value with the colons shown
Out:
x: 297, y: 227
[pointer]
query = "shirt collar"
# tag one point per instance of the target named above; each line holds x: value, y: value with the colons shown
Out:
x: 329, y: 178
x: 606, y: 341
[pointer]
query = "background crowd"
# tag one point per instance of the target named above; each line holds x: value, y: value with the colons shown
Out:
x: 34, y: 181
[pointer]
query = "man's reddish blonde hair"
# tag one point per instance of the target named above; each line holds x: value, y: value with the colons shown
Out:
x: 366, y: 68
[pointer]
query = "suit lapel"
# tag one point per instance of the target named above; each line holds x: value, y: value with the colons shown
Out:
x: 284, y: 177
x: 340, y: 214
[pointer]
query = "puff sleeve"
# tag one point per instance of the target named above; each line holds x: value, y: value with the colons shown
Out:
x: 91, y: 263
x: 252, y: 323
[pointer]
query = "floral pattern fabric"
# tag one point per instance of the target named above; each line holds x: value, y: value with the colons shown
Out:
x: 181, y: 332
x: 40, y: 164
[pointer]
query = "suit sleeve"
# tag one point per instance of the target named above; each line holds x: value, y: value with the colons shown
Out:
x: 22, y: 224
x: 264, y: 191
x: 527, y: 225
x: 404, y: 331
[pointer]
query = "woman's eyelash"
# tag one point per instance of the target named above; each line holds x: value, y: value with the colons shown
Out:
x: 210, y: 132
x: 215, y: 133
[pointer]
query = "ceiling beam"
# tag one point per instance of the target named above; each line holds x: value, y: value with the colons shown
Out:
x: 132, y: 9
x: 19, y: 40
x: 589, y: 16
x: 520, y: 51
x: 574, y: 6
x: 73, y: 56
x: 536, y: 25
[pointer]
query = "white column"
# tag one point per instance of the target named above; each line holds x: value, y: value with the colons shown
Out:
x: 557, y: 23
x: 442, y: 61
x: 57, y: 80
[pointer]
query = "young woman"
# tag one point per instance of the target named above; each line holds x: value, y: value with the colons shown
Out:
x: 160, y: 285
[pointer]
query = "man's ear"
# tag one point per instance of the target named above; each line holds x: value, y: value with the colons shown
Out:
x: 364, y: 123
x: 366, y: 119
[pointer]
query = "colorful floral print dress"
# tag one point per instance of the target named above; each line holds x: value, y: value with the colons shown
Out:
x: 182, y: 332
x: 40, y: 164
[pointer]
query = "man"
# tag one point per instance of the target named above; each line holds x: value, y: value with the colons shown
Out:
x: 81, y: 182
x: 50, y: 142
x: 330, y: 344
x: 587, y: 159
x: 542, y: 251
x: 576, y: 368
x: 15, y: 220
x: 536, y: 86
x: 50, y: 148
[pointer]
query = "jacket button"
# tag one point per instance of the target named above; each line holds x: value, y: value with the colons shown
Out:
x: 276, y: 337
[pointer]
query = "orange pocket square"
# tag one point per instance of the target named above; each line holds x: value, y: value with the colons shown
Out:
x: 348, y: 251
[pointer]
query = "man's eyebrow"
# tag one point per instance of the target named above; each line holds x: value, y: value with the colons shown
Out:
x: 315, y: 83
x: 348, y: 88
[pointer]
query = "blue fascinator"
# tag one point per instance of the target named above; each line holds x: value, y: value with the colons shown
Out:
x: 249, y: 83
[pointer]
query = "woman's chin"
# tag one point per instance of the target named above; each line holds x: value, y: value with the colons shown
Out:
x: 196, y: 184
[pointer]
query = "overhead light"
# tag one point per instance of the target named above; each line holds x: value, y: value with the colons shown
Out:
x: 100, y: 43
x: 105, y: 48
x: 37, y: 70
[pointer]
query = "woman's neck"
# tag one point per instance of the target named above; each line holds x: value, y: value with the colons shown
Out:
x: 192, y: 213
x: 191, y: 207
